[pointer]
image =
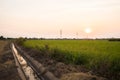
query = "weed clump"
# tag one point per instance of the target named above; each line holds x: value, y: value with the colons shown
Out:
x: 20, y: 41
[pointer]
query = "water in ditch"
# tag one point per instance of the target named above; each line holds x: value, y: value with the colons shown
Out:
x: 27, y: 69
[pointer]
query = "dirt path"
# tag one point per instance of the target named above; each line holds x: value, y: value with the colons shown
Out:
x: 8, y: 69
x: 2, y: 45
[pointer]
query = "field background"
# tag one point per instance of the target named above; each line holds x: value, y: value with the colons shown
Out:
x: 102, y: 56
x: 103, y: 47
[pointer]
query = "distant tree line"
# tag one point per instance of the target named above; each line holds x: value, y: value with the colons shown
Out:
x: 114, y: 39
x: 35, y: 38
x: 3, y: 38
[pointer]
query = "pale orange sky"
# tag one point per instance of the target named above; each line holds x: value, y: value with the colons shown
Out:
x: 45, y: 18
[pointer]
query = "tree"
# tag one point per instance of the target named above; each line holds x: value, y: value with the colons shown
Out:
x: 2, y: 38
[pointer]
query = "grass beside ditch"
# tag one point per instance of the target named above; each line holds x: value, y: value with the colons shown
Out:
x: 101, y: 56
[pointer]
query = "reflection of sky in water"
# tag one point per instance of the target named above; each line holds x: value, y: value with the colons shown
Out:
x: 28, y: 70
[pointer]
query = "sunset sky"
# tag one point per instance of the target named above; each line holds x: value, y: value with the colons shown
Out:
x: 45, y: 18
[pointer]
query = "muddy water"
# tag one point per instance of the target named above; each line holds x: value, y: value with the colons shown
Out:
x: 27, y: 69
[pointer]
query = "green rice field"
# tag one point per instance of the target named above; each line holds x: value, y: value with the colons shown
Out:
x: 100, y: 55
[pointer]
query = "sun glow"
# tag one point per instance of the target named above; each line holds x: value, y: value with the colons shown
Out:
x: 88, y: 30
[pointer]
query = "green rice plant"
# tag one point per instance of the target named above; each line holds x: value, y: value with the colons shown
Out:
x: 101, y: 56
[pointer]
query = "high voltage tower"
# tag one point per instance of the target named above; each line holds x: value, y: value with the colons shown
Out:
x: 61, y: 34
x: 77, y: 35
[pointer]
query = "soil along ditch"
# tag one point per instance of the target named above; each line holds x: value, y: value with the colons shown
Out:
x: 42, y: 72
x: 61, y: 70
x: 8, y: 69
